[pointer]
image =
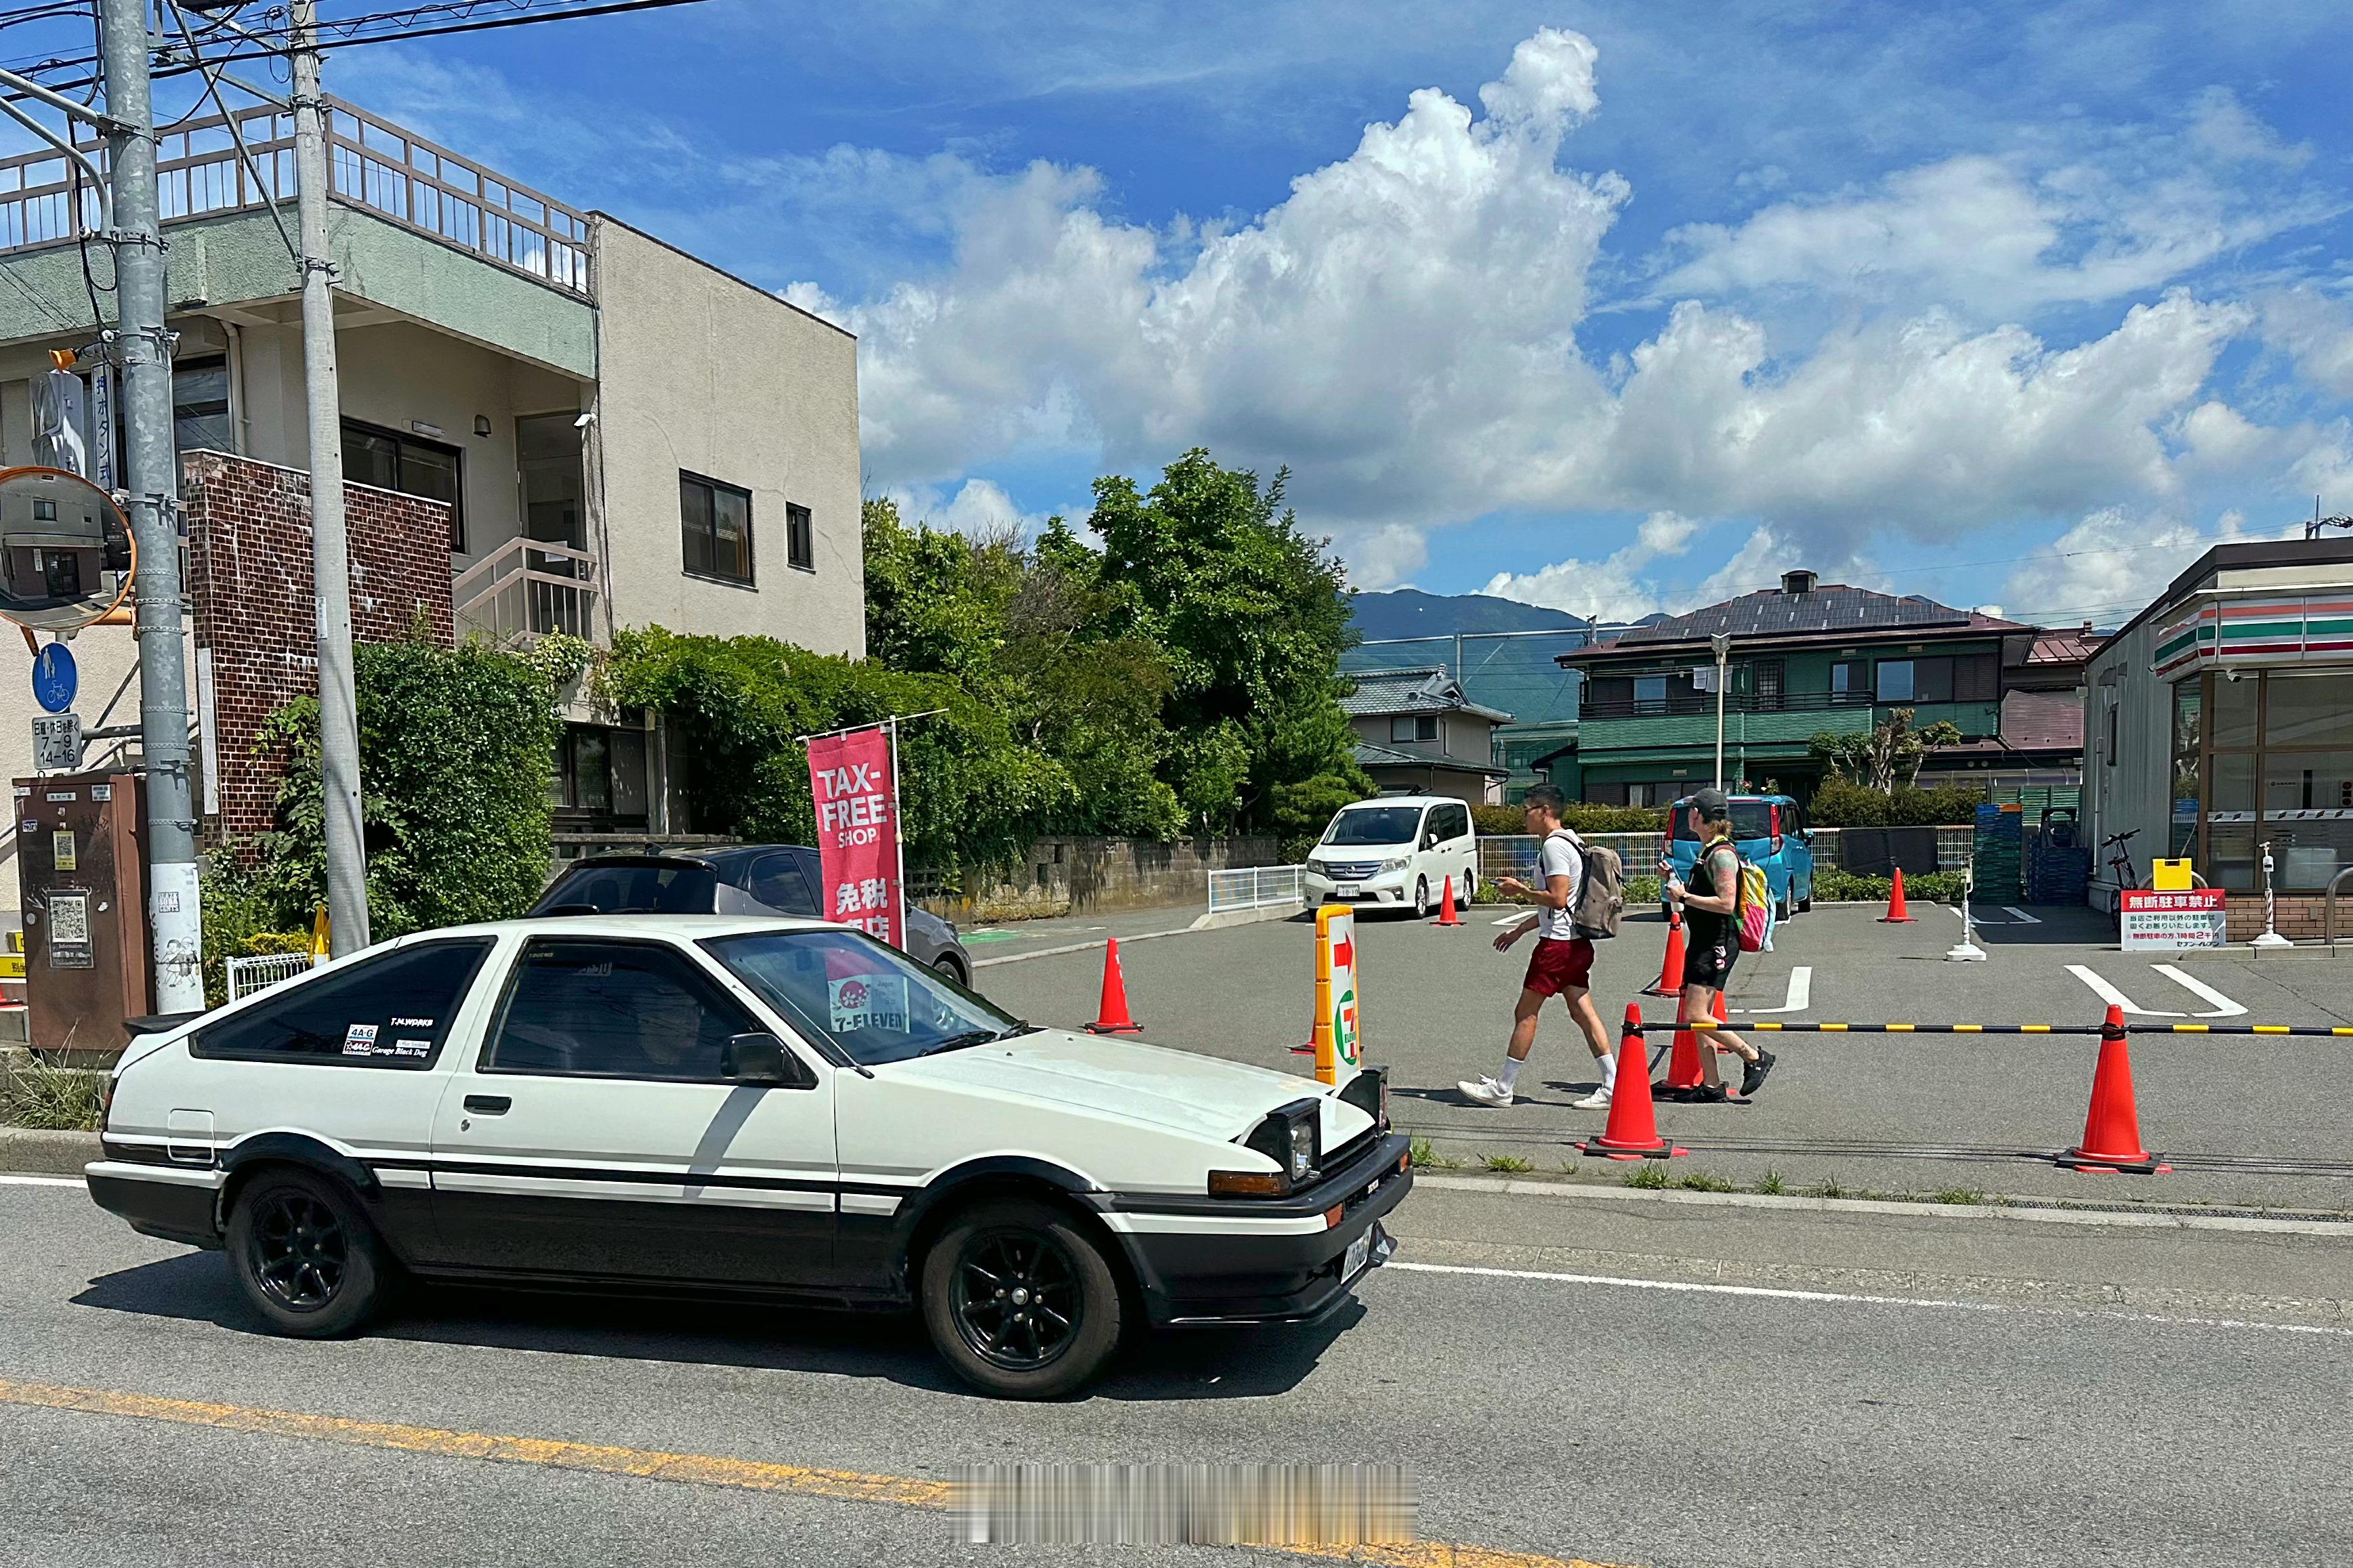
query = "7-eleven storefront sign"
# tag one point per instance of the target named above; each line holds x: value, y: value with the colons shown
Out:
x: 1339, y: 1044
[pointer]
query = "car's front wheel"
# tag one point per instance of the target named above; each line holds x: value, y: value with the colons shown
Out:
x: 1020, y: 1301
x: 305, y: 1255
x: 946, y: 965
x: 1421, y: 897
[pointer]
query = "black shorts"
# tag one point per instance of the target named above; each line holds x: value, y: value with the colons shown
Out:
x: 1711, y: 965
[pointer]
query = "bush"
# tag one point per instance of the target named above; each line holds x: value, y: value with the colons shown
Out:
x: 1503, y: 821
x: 1846, y: 888
x: 41, y: 1094
x: 1842, y: 802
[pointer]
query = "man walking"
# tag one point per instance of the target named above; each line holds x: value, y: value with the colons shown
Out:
x: 1562, y: 963
x: 1712, y: 921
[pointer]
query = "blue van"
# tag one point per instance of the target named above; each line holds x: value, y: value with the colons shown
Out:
x: 1770, y: 831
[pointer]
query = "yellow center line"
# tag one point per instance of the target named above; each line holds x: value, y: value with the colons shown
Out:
x: 655, y: 1464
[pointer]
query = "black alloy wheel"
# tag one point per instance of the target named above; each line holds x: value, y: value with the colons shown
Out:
x: 305, y: 1255
x: 1016, y: 1298
x: 297, y: 1250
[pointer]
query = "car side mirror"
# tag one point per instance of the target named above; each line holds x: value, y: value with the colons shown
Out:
x: 759, y: 1057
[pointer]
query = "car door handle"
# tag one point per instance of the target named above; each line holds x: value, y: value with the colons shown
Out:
x: 488, y: 1104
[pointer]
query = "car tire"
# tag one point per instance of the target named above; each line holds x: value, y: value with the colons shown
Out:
x: 1806, y: 902
x: 1470, y: 885
x: 974, y: 1274
x: 946, y: 965
x: 1421, y: 897
x: 305, y: 1254
x: 1782, y: 909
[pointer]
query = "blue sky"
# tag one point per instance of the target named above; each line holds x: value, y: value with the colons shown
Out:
x: 1614, y: 307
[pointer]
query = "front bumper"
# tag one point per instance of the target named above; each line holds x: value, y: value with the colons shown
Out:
x: 1388, y: 888
x: 1276, y: 1261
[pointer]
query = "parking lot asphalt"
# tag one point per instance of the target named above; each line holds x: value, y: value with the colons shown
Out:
x: 1622, y: 1379
x: 2255, y: 1122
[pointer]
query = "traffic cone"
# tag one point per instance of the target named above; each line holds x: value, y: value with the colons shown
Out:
x: 1446, y: 915
x: 1682, y: 1065
x: 1114, y: 1020
x: 2111, y: 1126
x: 1669, y: 981
x: 1633, y: 1132
x: 1898, y: 914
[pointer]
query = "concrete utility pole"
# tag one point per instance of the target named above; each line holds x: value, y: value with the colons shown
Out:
x: 1722, y: 649
x: 153, y: 481
x: 339, y: 731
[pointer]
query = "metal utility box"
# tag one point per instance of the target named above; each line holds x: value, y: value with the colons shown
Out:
x: 89, y: 960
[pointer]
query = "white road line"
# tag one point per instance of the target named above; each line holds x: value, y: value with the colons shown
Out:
x: 1694, y: 1288
x: 13, y: 1181
x: 2116, y: 998
x: 1800, y: 996
x: 2023, y: 917
x: 2223, y: 1007
x: 1509, y: 920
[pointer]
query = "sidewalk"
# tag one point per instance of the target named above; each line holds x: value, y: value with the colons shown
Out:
x: 1016, y: 940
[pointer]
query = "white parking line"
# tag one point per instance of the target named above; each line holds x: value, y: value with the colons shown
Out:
x: 2116, y: 998
x: 13, y: 1181
x: 2223, y: 1007
x: 1800, y: 996
x: 2023, y: 917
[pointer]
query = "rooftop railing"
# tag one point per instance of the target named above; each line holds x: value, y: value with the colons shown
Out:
x: 374, y: 165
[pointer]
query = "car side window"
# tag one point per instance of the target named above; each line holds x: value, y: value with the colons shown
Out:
x: 582, y: 1008
x: 778, y: 882
x: 389, y: 1012
x: 1458, y: 822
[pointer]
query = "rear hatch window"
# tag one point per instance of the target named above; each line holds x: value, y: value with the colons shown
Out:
x: 1750, y: 819
x: 681, y: 889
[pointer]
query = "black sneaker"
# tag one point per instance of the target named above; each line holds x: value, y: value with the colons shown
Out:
x: 1752, y: 1076
x: 1706, y: 1094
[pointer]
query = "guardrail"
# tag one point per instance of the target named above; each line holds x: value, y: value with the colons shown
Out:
x: 1258, y: 888
x: 248, y: 975
x: 525, y: 589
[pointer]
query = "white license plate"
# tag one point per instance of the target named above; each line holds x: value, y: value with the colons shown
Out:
x: 1359, y: 1250
x: 1347, y: 890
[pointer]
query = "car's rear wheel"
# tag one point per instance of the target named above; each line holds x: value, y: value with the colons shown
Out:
x: 1020, y: 1301
x: 305, y: 1255
x: 946, y: 965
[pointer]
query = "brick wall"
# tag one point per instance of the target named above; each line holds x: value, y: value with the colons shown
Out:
x: 2300, y: 916
x: 249, y: 600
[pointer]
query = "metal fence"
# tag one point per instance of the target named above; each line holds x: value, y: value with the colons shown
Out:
x: 1258, y: 888
x: 248, y: 975
x: 1514, y: 855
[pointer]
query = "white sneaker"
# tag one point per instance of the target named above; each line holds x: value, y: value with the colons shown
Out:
x: 1485, y: 1091
x: 1597, y: 1101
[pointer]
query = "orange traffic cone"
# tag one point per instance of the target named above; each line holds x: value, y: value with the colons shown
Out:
x: 2112, y: 1127
x: 1113, y: 1019
x: 1669, y: 981
x: 1682, y: 1065
x: 1633, y: 1132
x: 1898, y: 914
x: 1446, y: 915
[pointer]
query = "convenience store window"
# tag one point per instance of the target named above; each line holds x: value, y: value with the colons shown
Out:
x: 2277, y: 767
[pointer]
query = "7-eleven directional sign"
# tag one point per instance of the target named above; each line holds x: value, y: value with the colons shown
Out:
x: 1339, y: 1043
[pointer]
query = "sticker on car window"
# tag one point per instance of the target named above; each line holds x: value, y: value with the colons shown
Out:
x: 414, y: 1048
x: 869, y: 1002
x: 359, y: 1040
x: 412, y: 1023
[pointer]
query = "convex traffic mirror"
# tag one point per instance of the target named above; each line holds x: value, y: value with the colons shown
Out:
x: 65, y: 549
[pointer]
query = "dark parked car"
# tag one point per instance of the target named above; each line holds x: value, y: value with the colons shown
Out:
x: 742, y: 879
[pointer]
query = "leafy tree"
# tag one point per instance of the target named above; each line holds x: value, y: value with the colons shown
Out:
x: 1891, y: 748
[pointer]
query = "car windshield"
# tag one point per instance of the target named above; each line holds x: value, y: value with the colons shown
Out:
x: 1375, y: 824
x: 1750, y: 819
x: 684, y: 889
x: 874, y: 1003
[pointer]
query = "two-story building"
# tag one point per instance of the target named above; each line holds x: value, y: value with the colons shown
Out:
x: 1418, y: 732
x: 1807, y: 658
x: 551, y: 421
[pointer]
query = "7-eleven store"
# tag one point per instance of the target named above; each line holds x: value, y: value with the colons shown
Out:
x: 2220, y: 719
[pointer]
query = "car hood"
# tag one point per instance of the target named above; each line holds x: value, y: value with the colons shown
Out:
x: 1153, y: 1084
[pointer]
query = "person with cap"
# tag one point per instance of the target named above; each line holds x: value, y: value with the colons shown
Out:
x: 1711, y: 905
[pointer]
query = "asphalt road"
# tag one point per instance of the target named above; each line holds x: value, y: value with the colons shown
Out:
x: 1974, y: 1410
x: 2251, y: 1120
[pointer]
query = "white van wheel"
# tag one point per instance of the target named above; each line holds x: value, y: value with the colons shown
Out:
x: 1420, y: 898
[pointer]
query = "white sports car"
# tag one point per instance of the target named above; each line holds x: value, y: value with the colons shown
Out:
x: 740, y: 1105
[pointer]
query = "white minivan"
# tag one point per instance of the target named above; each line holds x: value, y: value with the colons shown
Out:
x: 1400, y: 850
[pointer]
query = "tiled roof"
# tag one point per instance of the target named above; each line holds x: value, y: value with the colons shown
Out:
x: 1827, y: 610
x: 1369, y: 755
x: 2042, y: 721
x: 1380, y: 692
x: 2073, y: 646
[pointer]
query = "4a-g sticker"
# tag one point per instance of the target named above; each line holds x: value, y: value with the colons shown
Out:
x: 359, y: 1040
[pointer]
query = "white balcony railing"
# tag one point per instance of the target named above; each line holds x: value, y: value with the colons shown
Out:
x: 525, y: 589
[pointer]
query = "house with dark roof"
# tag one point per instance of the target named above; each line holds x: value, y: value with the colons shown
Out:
x: 1807, y: 658
x: 1418, y: 732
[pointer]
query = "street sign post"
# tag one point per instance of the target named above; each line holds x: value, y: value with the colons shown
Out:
x: 55, y: 678
x: 56, y: 742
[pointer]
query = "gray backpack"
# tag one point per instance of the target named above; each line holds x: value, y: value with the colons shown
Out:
x: 1601, y: 895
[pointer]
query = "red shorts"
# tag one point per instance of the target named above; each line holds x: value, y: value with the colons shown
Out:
x: 1555, y: 965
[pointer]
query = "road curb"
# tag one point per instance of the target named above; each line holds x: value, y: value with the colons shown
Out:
x: 2339, y: 1230
x: 30, y: 1151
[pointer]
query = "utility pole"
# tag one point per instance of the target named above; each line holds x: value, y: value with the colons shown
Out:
x: 1722, y: 649
x: 153, y: 481
x: 339, y: 732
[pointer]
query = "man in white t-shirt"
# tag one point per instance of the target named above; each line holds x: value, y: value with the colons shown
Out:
x: 1562, y: 964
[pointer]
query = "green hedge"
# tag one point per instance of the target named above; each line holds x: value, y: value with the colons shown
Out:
x: 1846, y: 888
x: 1502, y: 821
x: 1842, y: 802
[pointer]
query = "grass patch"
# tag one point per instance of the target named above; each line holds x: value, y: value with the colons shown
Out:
x: 1699, y: 1181
x: 50, y: 1098
x: 1961, y: 1195
x: 1428, y: 1158
x: 1828, y: 1187
x: 1507, y: 1162
x: 1770, y: 1184
x: 1650, y: 1177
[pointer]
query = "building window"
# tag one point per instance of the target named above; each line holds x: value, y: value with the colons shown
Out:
x: 547, y: 460
x: 800, y: 537
x: 2188, y: 705
x: 1894, y: 684
x: 391, y: 461
x: 200, y: 421
x: 2109, y: 747
x: 1850, y: 681
x: 1414, y: 727
x: 600, y: 773
x: 2278, y: 766
x: 1767, y: 675
x: 716, y: 520
x: 1650, y: 694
